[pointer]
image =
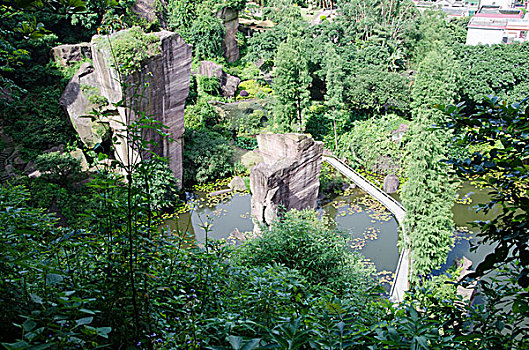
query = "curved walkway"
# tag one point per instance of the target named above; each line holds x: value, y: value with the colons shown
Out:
x: 400, y: 282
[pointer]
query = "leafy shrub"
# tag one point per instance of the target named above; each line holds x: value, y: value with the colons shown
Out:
x: 248, y: 143
x: 207, y: 156
x: 371, y: 140
x: 60, y: 168
x: 206, y: 34
x: 201, y: 115
x: 130, y: 48
x: 157, y: 183
x: 38, y: 122
x: 330, y: 182
x: 249, y: 72
x: 208, y: 85
x: 300, y: 241
x: 253, y: 88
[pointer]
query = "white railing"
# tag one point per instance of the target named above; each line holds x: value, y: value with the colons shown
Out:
x: 401, y: 281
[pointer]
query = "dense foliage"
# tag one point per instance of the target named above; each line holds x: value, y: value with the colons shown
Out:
x: 302, y: 242
x: 85, y: 262
x: 428, y: 195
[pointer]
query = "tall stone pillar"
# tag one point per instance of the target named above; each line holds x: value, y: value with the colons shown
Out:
x: 288, y: 177
x: 230, y: 19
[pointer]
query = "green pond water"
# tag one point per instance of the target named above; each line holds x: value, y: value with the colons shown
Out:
x: 371, y: 229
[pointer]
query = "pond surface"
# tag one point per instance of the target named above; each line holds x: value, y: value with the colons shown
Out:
x: 369, y: 227
x: 465, y: 236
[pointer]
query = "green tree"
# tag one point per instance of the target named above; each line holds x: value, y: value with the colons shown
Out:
x: 207, y: 156
x: 428, y: 195
x: 291, y: 84
x: 335, y: 86
x: 387, y: 21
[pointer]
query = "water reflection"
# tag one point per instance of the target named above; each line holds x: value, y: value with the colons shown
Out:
x: 369, y: 227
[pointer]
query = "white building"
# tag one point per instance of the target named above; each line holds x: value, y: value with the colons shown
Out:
x: 504, y: 4
x: 494, y: 25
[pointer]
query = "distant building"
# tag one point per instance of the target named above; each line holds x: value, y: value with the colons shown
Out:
x: 494, y: 24
x: 504, y: 4
x: 452, y: 8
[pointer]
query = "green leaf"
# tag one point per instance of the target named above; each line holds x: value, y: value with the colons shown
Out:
x: 252, y: 344
x: 235, y: 342
x: 17, y: 345
x: 86, y: 311
x: 53, y: 278
x: 40, y: 347
x: 35, y: 298
x: 103, y: 331
x: 29, y: 325
x: 84, y: 321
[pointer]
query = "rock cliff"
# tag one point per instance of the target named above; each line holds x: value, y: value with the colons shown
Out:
x: 288, y: 177
x: 165, y: 77
x: 230, y: 19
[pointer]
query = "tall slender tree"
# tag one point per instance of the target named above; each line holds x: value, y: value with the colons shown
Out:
x: 334, y: 81
x: 291, y: 84
x: 428, y: 195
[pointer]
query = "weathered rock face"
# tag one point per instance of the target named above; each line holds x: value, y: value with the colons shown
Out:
x: 288, y: 177
x: 228, y: 83
x: 167, y: 75
x: 391, y: 183
x: 230, y: 19
x: 65, y: 55
x: 150, y: 10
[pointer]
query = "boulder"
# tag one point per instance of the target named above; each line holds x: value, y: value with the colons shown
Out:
x: 66, y: 55
x: 228, y: 83
x: 237, y: 184
x: 165, y: 79
x: 244, y: 93
x: 230, y: 19
x: 78, y: 105
x: 79, y: 155
x: 251, y: 158
x: 467, y: 294
x: 288, y: 177
x: 391, y: 183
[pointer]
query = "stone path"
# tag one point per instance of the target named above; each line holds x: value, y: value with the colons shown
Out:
x: 401, y: 281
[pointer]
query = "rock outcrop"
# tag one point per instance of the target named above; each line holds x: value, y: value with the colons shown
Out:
x: 151, y: 10
x: 467, y: 294
x: 165, y: 79
x: 237, y: 184
x: 288, y: 177
x: 391, y: 183
x: 228, y: 83
x: 66, y: 55
x: 230, y: 19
